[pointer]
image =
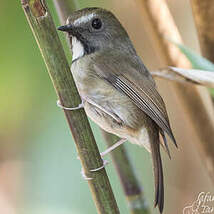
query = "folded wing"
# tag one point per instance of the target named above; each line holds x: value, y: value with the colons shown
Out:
x: 134, y: 80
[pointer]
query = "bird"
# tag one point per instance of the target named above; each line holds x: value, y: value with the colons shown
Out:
x: 118, y: 92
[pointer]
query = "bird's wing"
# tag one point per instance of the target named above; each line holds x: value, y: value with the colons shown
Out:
x: 133, y: 79
x: 102, y: 108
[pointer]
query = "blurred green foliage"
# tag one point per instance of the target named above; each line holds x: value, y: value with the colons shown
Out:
x: 197, y: 61
x: 34, y: 131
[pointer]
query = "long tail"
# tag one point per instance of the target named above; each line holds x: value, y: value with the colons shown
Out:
x: 157, y: 167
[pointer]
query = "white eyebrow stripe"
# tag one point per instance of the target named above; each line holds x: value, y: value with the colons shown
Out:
x: 84, y: 19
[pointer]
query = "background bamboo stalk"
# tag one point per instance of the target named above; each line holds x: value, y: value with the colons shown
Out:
x: 64, y: 8
x: 132, y: 189
x: 44, y: 31
x: 203, y: 12
x: 196, y: 102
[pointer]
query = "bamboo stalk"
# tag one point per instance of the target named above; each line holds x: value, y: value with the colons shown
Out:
x: 64, y: 8
x: 196, y: 102
x: 44, y: 31
x: 203, y: 12
x: 132, y: 189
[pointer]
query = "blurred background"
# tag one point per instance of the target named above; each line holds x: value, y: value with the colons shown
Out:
x: 39, y: 170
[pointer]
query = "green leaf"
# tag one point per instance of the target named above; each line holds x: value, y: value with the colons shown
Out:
x: 197, y: 61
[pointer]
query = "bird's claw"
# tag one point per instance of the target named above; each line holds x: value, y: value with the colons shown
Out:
x: 105, y: 162
x: 84, y: 175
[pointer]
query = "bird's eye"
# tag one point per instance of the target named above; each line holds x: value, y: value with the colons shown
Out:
x: 96, y: 24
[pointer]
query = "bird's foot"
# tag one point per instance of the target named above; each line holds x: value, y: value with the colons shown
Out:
x: 81, y: 105
x: 84, y: 175
x: 105, y: 162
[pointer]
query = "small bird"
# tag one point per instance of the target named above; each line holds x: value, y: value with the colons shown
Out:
x: 118, y: 92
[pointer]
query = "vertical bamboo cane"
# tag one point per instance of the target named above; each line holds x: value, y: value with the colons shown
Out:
x: 48, y: 41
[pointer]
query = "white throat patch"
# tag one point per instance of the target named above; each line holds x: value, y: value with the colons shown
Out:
x: 77, y: 48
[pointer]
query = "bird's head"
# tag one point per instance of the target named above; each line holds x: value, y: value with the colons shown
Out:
x: 94, y: 29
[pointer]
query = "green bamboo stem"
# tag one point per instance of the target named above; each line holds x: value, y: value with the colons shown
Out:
x: 44, y: 31
x: 132, y: 189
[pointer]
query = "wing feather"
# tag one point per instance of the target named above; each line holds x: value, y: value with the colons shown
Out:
x: 139, y: 87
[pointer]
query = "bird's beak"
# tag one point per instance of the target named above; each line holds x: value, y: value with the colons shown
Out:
x: 71, y: 30
x: 66, y: 28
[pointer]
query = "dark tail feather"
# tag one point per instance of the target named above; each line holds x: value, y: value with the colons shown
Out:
x: 158, y: 170
x: 170, y: 134
x: 165, y: 146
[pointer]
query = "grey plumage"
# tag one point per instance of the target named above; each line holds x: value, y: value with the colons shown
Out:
x: 119, y: 91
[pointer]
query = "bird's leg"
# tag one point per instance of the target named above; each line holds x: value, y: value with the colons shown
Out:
x: 81, y: 105
x: 105, y: 162
x: 111, y: 148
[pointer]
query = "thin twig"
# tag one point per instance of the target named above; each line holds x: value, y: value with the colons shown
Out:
x: 134, y: 194
x: 44, y: 31
x: 193, y: 76
x: 166, y: 75
x: 193, y: 99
